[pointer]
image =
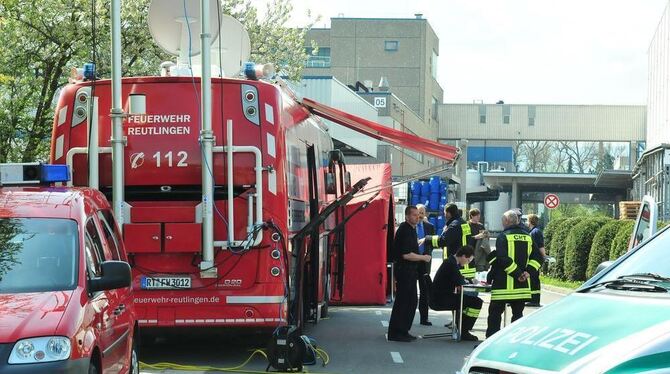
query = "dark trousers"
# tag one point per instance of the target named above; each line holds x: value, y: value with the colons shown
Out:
x: 404, y: 306
x: 423, y: 291
x: 497, y: 308
x: 471, y: 305
x: 535, y: 288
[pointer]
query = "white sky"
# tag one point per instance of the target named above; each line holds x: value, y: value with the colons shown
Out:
x: 524, y: 51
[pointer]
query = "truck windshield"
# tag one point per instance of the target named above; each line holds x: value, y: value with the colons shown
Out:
x: 650, y: 258
x: 38, y: 254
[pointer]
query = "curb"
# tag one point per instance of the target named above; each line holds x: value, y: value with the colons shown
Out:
x: 556, y: 289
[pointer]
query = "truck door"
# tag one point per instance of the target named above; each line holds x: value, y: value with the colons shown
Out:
x: 314, y: 251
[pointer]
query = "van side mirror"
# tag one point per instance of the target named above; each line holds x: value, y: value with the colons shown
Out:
x: 603, y: 266
x: 115, y: 274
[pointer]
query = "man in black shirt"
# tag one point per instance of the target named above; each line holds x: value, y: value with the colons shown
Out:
x: 447, y: 288
x: 407, y: 257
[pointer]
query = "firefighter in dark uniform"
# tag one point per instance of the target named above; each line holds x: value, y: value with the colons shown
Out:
x: 407, y: 258
x: 424, y: 228
x: 447, y: 287
x: 516, y: 257
x: 456, y: 234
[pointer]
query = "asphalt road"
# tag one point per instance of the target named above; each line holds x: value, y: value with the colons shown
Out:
x: 353, y: 337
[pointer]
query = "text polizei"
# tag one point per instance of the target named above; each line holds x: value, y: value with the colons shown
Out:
x: 562, y: 340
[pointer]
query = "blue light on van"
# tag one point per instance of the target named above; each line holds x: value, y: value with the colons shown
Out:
x: 54, y: 173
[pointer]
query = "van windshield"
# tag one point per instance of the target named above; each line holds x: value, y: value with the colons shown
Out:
x: 38, y: 254
x: 650, y: 258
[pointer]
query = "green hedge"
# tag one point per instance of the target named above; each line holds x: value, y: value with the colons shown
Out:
x: 558, y: 240
x: 620, y: 242
x: 578, y: 246
x: 602, y: 242
x: 549, y: 232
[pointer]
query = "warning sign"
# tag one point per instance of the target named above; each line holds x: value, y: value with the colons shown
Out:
x: 551, y: 201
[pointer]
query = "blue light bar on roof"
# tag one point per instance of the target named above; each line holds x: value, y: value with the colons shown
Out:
x: 54, y: 173
x: 33, y: 173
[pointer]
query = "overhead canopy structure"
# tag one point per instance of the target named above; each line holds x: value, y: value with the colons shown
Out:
x: 380, y: 132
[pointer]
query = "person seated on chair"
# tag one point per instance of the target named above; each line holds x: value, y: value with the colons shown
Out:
x: 447, y: 287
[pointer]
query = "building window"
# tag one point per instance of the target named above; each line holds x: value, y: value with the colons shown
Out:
x: 433, y: 65
x: 531, y: 115
x: 434, y: 108
x: 391, y: 45
x: 506, y: 114
x: 482, y: 114
x: 320, y: 59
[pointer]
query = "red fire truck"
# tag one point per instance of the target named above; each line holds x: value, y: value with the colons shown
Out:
x: 237, y: 225
x: 284, y: 172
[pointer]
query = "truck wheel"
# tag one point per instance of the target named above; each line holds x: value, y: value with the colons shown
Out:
x: 134, y: 359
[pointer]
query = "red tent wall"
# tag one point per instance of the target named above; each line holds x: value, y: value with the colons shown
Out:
x: 366, y: 237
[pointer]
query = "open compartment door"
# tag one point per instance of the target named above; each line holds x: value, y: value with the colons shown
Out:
x: 380, y: 132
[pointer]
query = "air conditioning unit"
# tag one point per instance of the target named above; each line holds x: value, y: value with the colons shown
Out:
x: 483, y: 166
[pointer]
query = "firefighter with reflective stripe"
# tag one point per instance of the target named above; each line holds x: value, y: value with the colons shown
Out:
x: 455, y: 234
x: 516, y: 257
x: 445, y: 293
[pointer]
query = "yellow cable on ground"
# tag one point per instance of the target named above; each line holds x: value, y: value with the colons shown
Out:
x: 324, y: 356
x: 235, y: 369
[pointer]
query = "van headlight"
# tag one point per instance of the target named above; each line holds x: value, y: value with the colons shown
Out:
x: 43, y: 349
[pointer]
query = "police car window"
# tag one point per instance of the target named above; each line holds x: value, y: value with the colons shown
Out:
x: 650, y: 257
x: 109, y: 237
x: 97, y: 251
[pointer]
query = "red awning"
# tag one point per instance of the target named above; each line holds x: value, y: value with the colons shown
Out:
x: 381, y: 132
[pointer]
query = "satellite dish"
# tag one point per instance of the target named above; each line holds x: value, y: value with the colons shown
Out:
x: 175, y: 26
x: 231, y: 48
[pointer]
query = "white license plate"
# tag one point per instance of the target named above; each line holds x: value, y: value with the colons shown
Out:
x: 165, y: 283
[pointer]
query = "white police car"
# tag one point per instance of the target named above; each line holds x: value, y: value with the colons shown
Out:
x: 617, y: 322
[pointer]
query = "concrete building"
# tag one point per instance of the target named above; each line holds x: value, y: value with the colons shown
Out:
x: 582, y: 152
x: 404, y: 51
x: 401, y: 54
x: 651, y: 174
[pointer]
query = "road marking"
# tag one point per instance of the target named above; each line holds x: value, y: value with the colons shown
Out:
x: 385, y: 323
x: 379, y: 312
x: 397, y: 358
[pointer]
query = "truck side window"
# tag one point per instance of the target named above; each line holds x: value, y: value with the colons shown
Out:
x: 96, y: 249
x: 109, y: 236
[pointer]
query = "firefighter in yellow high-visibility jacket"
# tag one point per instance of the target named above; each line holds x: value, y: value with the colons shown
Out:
x: 516, y: 257
x: 456, y: 234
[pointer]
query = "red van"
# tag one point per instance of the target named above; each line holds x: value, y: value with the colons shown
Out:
x: 65, y: 286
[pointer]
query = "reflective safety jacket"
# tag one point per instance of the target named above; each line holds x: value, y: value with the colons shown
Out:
x: 455, y: 236
x: 515, y: 253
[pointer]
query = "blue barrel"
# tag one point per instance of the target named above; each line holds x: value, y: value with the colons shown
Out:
x: 440, y: 224
x: 443, y: 188
x: 441, y: 207
x: 433, y: 220
x: 434, y: 200
x: 443, y: 199
x: 425, y: 188
x: 415, y: 200
x: 415, y: 187
x: 434, y: 184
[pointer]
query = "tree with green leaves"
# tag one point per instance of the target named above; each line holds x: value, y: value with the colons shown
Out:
x: 42, y: 40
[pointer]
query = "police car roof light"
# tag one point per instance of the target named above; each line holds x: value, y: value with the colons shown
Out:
x: 33, y: 173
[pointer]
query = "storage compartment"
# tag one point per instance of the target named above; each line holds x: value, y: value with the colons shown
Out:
x: 183, y: 237
x: 142, y: 237
x: 147, y: 214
